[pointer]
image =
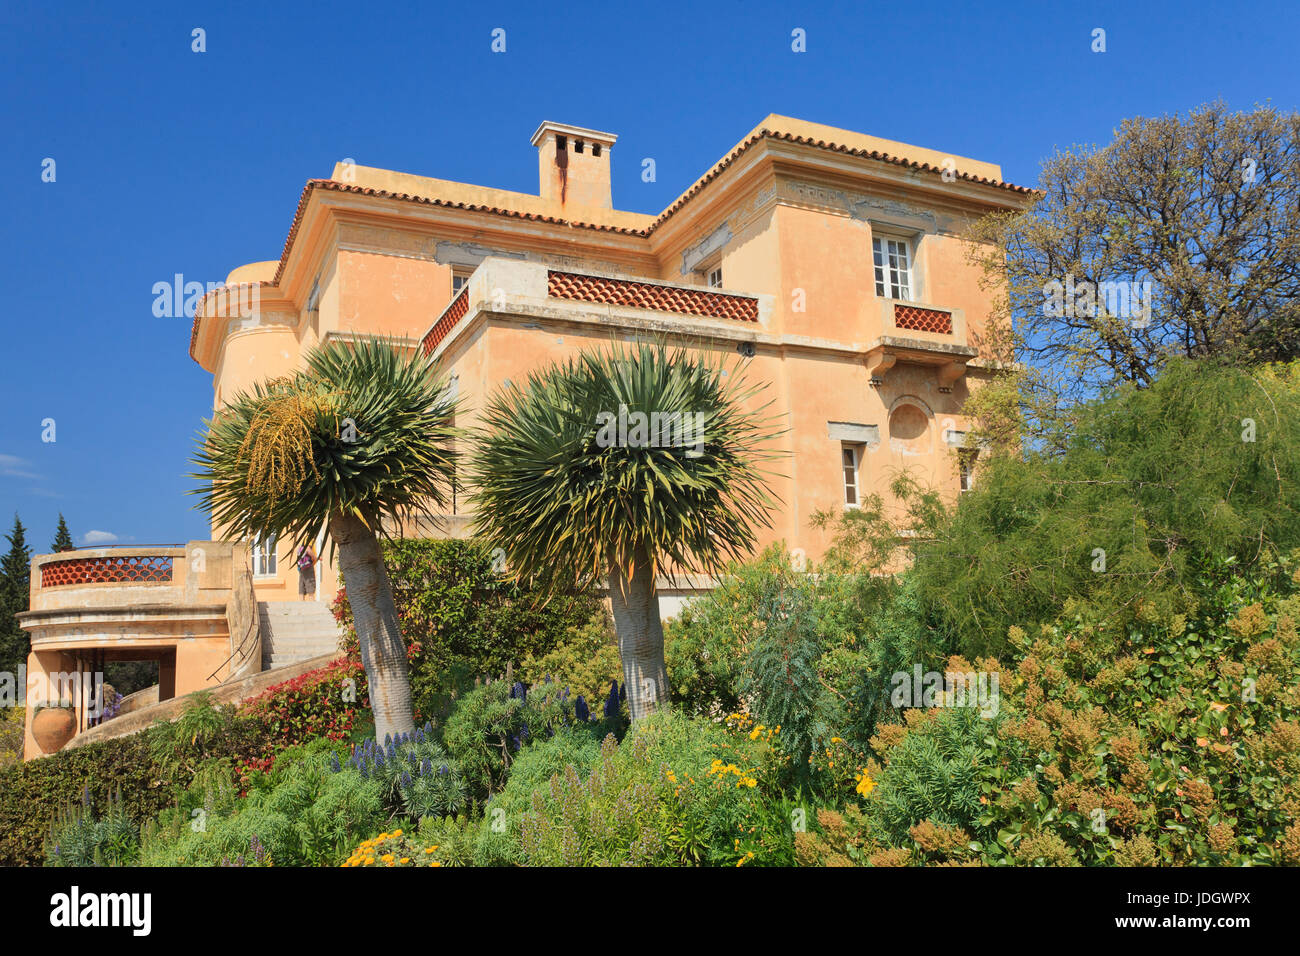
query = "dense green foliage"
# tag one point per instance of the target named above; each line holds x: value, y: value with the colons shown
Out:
x: 585, y: 660
x: 463, y: 620
x: 303, y: 813
x: 676, y: 791
x: 1204, y: 464
x: 493, y: 723
x: 147, y: 769
x: 1171, y: 740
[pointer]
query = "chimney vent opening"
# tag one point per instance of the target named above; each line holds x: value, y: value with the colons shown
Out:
x: 577, y: 146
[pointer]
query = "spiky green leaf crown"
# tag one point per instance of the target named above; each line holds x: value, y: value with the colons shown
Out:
x: 563, y: 503
x: 363, y: 430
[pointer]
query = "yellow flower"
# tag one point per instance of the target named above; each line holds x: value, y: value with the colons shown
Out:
x: 406, y: 859
x: 865, y: 783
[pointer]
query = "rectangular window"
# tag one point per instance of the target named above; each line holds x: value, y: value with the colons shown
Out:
x: 715, y: 278
x: 264, y: 555
x: 458, y: 280
x: 893, y: 268
x: 851, y: 459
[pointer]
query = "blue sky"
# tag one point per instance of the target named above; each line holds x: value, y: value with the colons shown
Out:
x: 170, y: 161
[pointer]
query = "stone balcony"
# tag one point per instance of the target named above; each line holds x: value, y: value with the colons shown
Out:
x: 534, y: 291
x: 190, y: 608
x: 530, y: 293
x: 920, y: 334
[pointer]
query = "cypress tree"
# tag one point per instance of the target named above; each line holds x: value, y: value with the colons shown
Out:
x: 62, y: 537
x: 15, y: 577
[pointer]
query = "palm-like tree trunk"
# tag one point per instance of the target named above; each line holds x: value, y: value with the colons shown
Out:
x: 383, y: 652
x: 640, y: 635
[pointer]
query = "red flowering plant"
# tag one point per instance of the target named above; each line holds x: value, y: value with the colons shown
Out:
x: 326, y: 702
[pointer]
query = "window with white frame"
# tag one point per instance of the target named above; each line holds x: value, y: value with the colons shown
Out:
x: 893, y: 262
x: 713, y: 277
x: 264, y: 555
x: 458, y: 281
x: 851, y: 462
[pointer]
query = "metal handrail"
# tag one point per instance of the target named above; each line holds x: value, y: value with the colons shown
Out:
x: 255, y: 624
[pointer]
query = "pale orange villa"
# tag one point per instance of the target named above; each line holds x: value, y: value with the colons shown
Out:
x: 833, y: 261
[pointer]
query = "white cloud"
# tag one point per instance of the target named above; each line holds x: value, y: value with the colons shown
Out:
x: 98, y: 537
x: 11, y: 466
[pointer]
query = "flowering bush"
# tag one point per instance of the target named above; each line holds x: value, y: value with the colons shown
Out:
x: 394, y: 848
x: 676, y: 791
x: 326, y: 702
x: 415, y: 774
x: 1172, y: 741
x: 79, y: 837
x: 493, y: 723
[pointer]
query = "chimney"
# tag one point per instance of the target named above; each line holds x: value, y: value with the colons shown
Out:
x: 574, y: 165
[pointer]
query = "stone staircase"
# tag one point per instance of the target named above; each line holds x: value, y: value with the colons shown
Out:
x: 294, y: 631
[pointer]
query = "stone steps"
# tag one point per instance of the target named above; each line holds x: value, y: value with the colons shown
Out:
x: 294, y: 631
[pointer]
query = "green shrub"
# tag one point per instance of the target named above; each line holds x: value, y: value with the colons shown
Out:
x: 577, y: 746
x: 493, y: 723
x: 304, y: 813
x: 676, y: 791
x: 1152, y: 484
x: 12, y: 732
x: 463, y: 620
x: 1172, y: 740
x: 709, y: 646
x: 81, y: 838
x: 452, y: 839
x: 586, y: 660
x: 32, y: 794
x: 415, y: 774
